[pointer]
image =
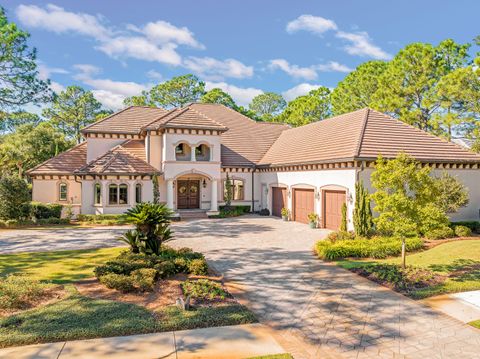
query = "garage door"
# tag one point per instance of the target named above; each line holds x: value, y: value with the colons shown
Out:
x: 279, y: 200
x: 303, y: 204
x: 332, y: 207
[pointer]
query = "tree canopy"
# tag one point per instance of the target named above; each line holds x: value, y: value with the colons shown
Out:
x: 267, y: 105
x: 219, y: 96
x: 73, y: 109
x: 314, y: 106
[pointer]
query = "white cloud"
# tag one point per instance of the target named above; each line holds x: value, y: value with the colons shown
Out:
x: 242, y: 96
x: 315, y: 24
x: 307, y: 73
x: 56, y: 19
x: 333, y: 66
x: 299, y: 90
x: 138, y: 47
x: 109, y: 92
x: 215, y: 70
x: 44, y: 73
x: 163, y: 32
x: 361, y: 45
x: 154, y: 75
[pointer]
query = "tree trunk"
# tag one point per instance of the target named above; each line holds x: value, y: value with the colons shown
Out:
x: 404, y: 259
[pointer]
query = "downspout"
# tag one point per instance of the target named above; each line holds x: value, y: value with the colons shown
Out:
x: 253, y: 189
x: 147, y: 147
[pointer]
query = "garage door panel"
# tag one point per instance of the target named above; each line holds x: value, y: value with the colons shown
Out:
x: 303, y: 204
x: 332, y: 204
x: 279, y: 200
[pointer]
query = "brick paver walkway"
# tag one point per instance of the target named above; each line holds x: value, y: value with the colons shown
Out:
x: 318, y: 309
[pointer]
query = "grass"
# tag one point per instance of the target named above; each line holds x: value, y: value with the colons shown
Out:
x: 475, y: 324
x: 60, y: 266
x: 459, y: 260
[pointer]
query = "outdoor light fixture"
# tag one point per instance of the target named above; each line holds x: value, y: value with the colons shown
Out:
x: 204, y: 183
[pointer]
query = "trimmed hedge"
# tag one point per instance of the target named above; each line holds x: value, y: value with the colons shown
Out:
x: 104, y: 219
x: 440, y: 233
x: 40, y: 210
x: 462, y: 231
x: 375, y: 247
x: 473, y: 225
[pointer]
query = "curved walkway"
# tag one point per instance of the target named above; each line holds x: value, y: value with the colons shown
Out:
x: 318, y: 309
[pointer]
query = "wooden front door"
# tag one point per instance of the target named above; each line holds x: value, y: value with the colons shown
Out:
x: 188, y: 194
x: 279, y: 200
x: 303, y: 204
x: 332, y: 208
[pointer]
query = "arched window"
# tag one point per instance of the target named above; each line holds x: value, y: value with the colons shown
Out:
x: 62, y: 191
x: 117, y: 194
x: 182, y: 152
x: 97, y: 194
x: 202, y: 153
x: 138, y: 193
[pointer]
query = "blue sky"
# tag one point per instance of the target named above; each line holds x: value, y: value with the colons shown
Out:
x: 118, y: 48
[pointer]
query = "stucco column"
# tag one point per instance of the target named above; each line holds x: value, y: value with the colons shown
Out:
x: 131, y: 193
x: 214, y: 197
x: 170, y: 194
x: 193, y: 155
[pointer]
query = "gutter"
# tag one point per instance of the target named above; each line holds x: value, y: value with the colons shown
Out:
x: 253, y: 188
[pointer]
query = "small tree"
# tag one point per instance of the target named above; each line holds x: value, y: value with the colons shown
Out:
x: 343, y: 226
x: 362, y: 214
x: 452, y: 194
x: 14, y: 196
x: 228, y: 192
x: 156, y: 190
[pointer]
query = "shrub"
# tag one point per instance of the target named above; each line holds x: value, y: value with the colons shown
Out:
x: 181, y: 264
x: 233, y: 211
x: 343, y: 225
x: 362, y: 214
x: 198, y: 267
x: 264, y: 212
x: 14, y: 197
x: 53, y: 220
x: 284, y: 212
x: 473, y: 225
x: 144, y: 279
x: 40, y: 210
x: 106, y: 219
x: 18, y: 292
x: 462, y: 231
x: 440, y: 233
x: 204, y: 289
x: 165, y: 269
x: 404, y: 280
x: 338, y: 236
x: 123, y: 283
x: 376, y: 247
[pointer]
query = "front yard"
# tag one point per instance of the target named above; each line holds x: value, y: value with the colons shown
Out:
x: 457, y: 262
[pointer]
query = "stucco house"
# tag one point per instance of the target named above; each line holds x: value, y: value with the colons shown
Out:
x: 309, y: 169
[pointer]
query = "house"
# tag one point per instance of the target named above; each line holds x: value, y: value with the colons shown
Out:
x: 309, y: 169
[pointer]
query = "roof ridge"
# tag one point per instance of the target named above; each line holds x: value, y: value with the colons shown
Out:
x: 105, y: 118
x: 160, y: 117
x: 362, y: 133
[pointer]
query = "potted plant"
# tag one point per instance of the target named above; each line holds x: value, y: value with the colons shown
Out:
x: 312, y: 220
x: 285, y: 213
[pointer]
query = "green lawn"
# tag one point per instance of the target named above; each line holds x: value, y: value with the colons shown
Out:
x: 460, y: 260
x: 60, y: 266
x: 475, y: 324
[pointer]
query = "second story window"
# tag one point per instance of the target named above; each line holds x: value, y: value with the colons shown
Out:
x: 202, y: 153
x: 182, y: 152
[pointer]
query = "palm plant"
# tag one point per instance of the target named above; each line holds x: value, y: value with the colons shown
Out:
x: 132, y: 238
x: 152, y: 222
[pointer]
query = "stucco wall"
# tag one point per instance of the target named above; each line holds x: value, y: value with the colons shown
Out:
x: 98, y: 146
x: 318, y: 180
x: 156, y: 146
x: 469, y: 177
x: 247, y: 182
x: 47, y: 191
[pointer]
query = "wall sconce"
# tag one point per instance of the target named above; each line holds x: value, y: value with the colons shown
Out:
x: 289, y: 193
x: 204, y: 183
x: 317, y: 195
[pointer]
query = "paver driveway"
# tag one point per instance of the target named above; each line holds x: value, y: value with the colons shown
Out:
x: 317, y: 309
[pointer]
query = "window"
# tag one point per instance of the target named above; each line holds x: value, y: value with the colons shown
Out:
x: 182, y: 152
x: 138, y: 193
x: 62, y: 192
x: 98, y: 193
x: 238, y: 192
x: 180, y: 149
x: 118, y: 194
x: 202, y: 153
x: 113, y: 194
x: 123, y: 194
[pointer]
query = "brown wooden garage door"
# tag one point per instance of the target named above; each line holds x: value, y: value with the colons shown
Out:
x: 279, y: 200
x: 332, y: 208
x: 303, y: 204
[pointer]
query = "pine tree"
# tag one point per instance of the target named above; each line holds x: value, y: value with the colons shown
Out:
x: 343, y: 226
x: 362, y: 214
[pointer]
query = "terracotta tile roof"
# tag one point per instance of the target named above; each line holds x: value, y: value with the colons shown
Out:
x: 119, y: 160
x: 246, y: 141
x: 136, y: 148
x: 185, y: 117
x: 130, y: 120
x: 363, y: 134
x: 64, y: 163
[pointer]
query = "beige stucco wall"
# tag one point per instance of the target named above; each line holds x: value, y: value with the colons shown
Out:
x: 155, y: 148
x: 317, y: 180
x: 98, y: 146
x: 469, y: 177
x: 248, y: 183
x: 47, y: 191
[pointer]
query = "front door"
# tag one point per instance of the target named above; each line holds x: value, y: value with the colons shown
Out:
x: 188, y: 194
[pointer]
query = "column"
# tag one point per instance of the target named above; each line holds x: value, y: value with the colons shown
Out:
x: 214, y: 199
x: 193, y: 154
x: 170, y: 194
